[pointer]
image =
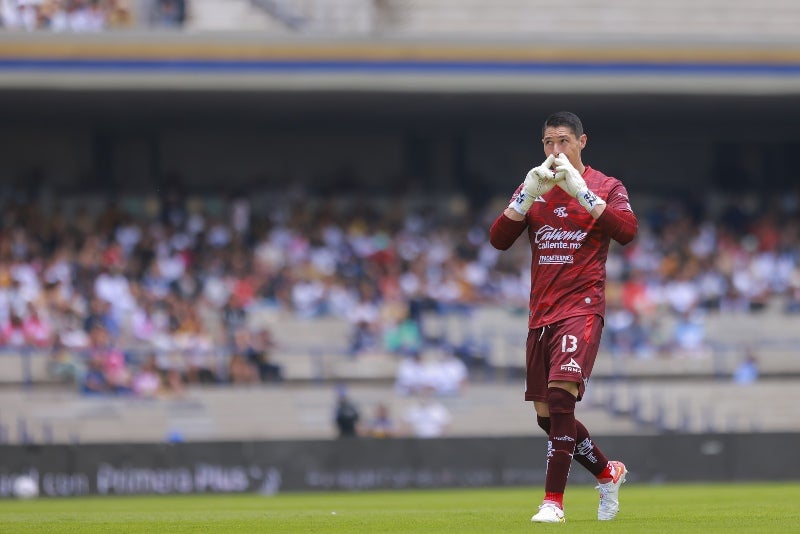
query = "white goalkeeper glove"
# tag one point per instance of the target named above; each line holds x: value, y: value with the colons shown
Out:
x: 571, y: 181
x: 538, y: 181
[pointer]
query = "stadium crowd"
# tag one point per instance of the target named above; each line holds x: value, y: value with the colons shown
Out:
x: 136, y: 303
x: 83, y: 16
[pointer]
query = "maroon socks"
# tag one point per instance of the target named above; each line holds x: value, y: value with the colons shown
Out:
x: 587, y: 453
x: 561, y: 444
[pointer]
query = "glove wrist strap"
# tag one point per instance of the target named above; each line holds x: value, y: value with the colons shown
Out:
x: 588, y: 199
x: 521, y: 203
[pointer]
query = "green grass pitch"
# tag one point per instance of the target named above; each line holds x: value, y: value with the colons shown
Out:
x: 707, y: 508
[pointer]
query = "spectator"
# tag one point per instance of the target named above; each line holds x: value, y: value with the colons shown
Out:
x: 71, y: 341
x: 427, y: 418
x: 364, y: 318
x: 241, y: 371
x: 747, y: 371
x: 147, y: 380
x: 233, y: 315
x: 260, y: 354
x: 72, y: 335
x: 94, y: 381
x: 381, y: 425
x: 412, y: 376
x: 100, y: 315
x: 144, y: 324
x: 449, y: 374
x: 113, y: 287
x: 191, y: 340
x: 173, y: 381
x: 12, y: 332
x: 346, y: 416
x: 37, y: 329
x: 401, y: 335
x: 119, y: 14
x: 115, y: 370
x: 689, y: 337
x: 169, y: 13
x: 625, y: 336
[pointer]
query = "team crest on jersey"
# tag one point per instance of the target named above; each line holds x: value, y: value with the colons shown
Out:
x: 560, y: 211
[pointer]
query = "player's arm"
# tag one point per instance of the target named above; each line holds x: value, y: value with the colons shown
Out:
x: 617, y: 218
x: 505, y: 231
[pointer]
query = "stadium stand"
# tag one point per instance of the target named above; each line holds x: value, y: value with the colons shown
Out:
x: 187, y: 311
x: 232, y: 15
x: 693, y: 393
x: 683, y: 314
x: 619, y: 17
x: 615, y: 19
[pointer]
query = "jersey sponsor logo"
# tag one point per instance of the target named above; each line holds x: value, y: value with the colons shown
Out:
x: 556, y: 259
x: 559, y: 244
x: 572, y: 366
x: 548, y: 233
x: 548, y: 238
x: 560, y: 211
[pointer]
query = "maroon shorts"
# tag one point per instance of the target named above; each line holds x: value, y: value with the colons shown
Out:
x: 564, y: 350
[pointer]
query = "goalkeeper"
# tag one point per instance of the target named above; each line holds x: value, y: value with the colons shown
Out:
x: 571, y: 212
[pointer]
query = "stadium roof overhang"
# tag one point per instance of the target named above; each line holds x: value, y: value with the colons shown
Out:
x: 253, y: 62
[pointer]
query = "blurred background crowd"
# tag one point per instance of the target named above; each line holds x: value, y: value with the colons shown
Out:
x: 116, y: 296
x: 90, y: 15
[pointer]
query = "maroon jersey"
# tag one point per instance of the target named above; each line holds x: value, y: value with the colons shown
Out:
x: 570, y: 247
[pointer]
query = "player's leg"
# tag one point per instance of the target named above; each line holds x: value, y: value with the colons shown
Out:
x: 610, y: 474
x: 586, y: 453
x: 578, y: 340
x: 561, y: 398
x: 537, y: 367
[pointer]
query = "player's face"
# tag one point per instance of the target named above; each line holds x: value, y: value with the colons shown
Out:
x: 561, y: 139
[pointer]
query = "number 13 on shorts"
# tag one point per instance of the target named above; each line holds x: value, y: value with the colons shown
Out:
x: 569, y: 343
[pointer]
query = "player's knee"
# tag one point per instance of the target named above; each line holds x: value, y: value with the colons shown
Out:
x: 560, y: 401
x: 544, y: 423
x: 572, y: 387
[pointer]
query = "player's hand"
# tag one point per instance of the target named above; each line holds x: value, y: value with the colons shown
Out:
x: 538, y: 181
x: 571, y: 181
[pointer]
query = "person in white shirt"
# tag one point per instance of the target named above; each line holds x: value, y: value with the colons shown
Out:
x: 427, y: 418
x: 412, y: 376
x: 450, y: 374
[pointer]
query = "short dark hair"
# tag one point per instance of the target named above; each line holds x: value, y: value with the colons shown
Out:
x: 564, y: 118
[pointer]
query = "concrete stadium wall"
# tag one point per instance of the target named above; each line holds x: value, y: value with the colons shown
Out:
x: 271, y: 467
